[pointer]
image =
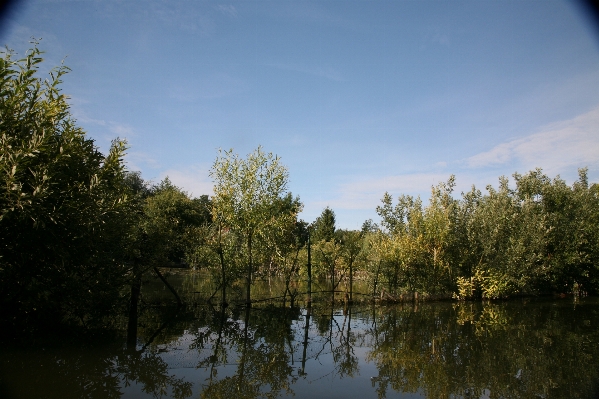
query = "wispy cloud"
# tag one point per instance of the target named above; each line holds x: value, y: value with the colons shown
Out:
x: 569, y: 143
x: 184, y: 16
x: 193, y: 179
x: 228, y: 10
x: 137, y: 161
x: 119, y: 129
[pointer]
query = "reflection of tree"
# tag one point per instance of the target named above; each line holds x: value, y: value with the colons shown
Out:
x: 263, y: 357
x: 88, y: 373
x: 468, y: 350
x: 335, y: 339
x: 81, y: 370
x: 306, y: 337
x: 343, y: 355
x: 507, y: 350
x: 151, y: 371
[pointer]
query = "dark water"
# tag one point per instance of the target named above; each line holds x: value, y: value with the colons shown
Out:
x: 516, y: 349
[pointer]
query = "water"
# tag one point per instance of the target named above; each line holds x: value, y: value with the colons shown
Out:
x: 533, y: 348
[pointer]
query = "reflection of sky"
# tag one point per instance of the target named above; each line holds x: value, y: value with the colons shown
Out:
x: 356, y: 97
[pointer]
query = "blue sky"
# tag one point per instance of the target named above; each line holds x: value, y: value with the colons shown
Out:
x: 356, y: 97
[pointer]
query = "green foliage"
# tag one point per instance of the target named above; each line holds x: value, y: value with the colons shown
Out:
x: 165, y: 224
x: 61, y: 202
x: 326, y: 259
x: 418, y: 241
x: 323, y: 227
x: 540, y: 237
x: 251, y: 203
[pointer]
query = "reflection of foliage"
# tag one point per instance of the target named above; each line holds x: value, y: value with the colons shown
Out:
x: 92, y: 373
x: 509, y: 350
x: 151, y: 371
x: 466, y: 349
x: 343, y: 355
x: 260, y: 343
x: 492, y: 318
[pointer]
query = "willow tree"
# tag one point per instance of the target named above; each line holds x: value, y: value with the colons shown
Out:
x: 247, y: 197
x: 63, y: 204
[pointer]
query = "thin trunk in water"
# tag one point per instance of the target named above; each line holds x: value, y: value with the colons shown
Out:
x: 222, y: 269
x: 170, y: 288
x: 132, y: 324
x: 248, y: 300
x: 241, y: 367
x: 223, y: 301
x: 309, y: 273
x: 351, y: 281
x: 306, y: 330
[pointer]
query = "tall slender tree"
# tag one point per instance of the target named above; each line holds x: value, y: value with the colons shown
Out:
x: 248, y: 194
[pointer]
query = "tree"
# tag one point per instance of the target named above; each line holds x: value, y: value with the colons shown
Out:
x: 286, y: 244
x: 164, y: 232
x: 62, y: 204
x: 324, y: 226
x: 351, y: 248
x: 326, y: 245
x: 248, y: 194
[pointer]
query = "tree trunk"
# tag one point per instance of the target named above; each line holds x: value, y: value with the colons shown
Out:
x: 132, y: 324
x: 248, y: 300
x: 222, y: 269
x: 351, y: 281
x: 223, y: 301
x: 309, y: 273
x: 170, y: 288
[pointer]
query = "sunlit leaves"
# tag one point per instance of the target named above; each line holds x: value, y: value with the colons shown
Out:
x: 251, y: 202
x: 540, y: 236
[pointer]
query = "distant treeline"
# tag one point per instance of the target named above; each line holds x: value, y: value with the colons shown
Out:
x: 79, y: 232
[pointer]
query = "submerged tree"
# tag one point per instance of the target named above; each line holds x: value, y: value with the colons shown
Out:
x: 352, y: 243
x: 248, y: 198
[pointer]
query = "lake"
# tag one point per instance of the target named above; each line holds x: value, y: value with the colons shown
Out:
x: 524, y: 348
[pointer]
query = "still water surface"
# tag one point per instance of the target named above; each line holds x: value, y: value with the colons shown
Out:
x: 533, y: 348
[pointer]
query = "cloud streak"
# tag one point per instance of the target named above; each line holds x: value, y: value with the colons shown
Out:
x: 215, y: 86
x: 557, y: 146
x: 136, y: 160
x: 228, y: 10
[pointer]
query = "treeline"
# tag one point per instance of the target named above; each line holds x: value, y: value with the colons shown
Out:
x: 79, y: 232
x: 539, y: 237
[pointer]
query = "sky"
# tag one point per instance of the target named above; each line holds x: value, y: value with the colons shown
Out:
x: 356, y: 97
